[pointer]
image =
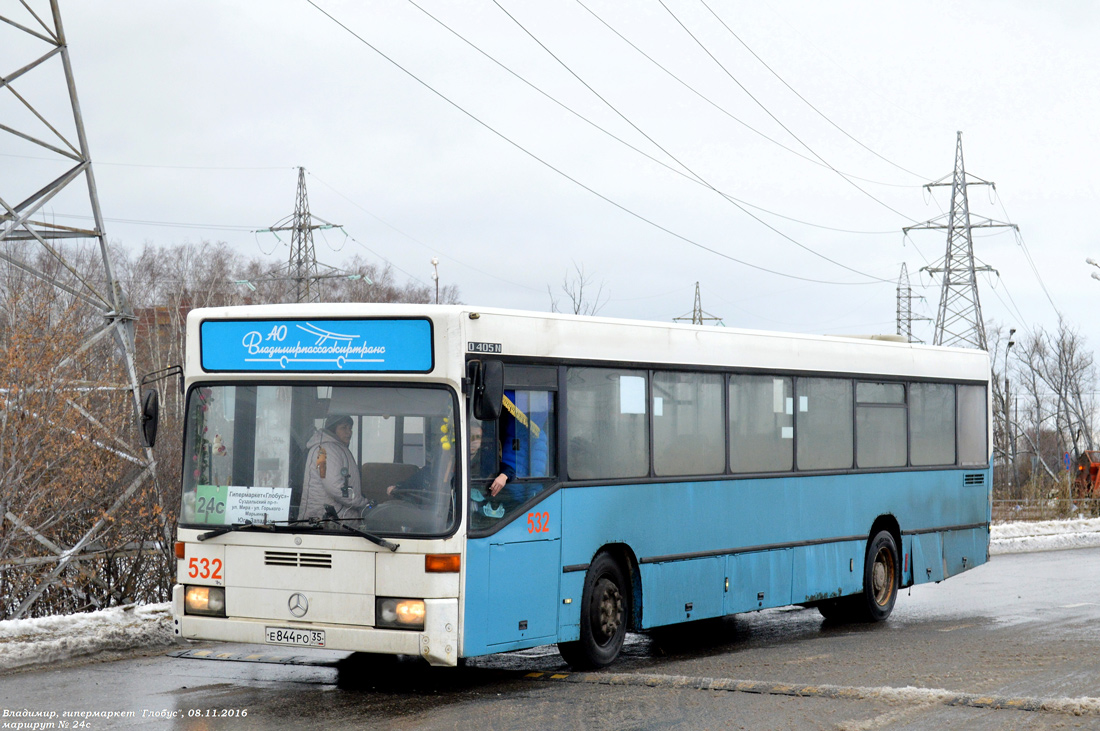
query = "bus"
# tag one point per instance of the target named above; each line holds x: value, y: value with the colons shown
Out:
x: 452, y: 481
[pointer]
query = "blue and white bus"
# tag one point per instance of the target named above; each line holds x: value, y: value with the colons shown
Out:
x: 451, y: 481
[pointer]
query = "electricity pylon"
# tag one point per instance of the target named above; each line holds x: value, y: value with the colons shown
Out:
x: 905, y: 307
x: 698, y: 316
x: 959, y: 315
x: 26, y: 232
x: 302, y: 267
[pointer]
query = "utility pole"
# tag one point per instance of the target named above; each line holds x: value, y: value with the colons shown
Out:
x: 959, y: 316
x: 435, y: 277
x: 698, y: 316
x: 301, y: 269
x: 29, y: 243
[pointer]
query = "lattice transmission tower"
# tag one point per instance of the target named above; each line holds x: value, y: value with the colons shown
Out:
x: 959, y: 315
x: 905, y: 307
x: 698, y: 316
x: 302, y: 270
x: 75, y: 262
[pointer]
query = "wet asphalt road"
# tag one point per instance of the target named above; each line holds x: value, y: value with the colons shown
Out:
x: 1014, y: 644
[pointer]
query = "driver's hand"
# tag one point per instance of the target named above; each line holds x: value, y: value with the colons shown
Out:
x: 498, y: 484
x: 389, y: 490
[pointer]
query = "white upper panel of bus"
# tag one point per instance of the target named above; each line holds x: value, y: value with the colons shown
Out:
x: 549, y: 335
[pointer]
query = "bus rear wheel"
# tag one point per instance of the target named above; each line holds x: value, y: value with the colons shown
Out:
x: 604, y: 614
x: 880, y: 579
x: 880, y: 586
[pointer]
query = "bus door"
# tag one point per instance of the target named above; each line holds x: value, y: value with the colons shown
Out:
x: 516, y: 533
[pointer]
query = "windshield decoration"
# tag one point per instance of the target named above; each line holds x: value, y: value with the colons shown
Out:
x: 326, y: 346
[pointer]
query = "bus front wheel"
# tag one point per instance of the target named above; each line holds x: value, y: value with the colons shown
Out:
x: 604, y: 614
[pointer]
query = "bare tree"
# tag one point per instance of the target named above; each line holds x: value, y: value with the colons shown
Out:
x: 1057, y: 379
x: 63, y: 453
x: 577, y: 287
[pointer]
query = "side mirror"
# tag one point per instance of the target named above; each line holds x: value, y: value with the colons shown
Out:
x: 488, y: 380
x: 150, y: 416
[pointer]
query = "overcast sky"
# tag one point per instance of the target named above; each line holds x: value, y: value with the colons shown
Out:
x: 197, y: 113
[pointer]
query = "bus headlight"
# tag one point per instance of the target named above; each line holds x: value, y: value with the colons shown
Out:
x: 208, y: 600
x: 399, y: 613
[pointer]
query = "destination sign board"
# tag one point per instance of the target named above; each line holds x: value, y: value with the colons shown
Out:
x: 317, y: 345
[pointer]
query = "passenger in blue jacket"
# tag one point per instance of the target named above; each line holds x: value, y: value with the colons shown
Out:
x: 524, y: 444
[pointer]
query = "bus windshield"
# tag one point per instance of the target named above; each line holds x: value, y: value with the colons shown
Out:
x: 379, y: 458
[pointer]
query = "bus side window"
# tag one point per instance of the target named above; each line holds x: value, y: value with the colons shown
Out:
x: 521, y: 445
x: 607, y: 423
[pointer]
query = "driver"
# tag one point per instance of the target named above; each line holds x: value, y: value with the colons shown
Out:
x: 332, y: 476
x: 420, y: 488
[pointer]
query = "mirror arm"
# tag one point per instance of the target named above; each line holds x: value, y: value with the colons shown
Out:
x: 160, y: 375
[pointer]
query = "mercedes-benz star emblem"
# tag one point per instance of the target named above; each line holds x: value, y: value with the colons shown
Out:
x: 298, y: 604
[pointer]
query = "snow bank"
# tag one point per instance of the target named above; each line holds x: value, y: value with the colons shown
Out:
x: 64, y: 637
x: 1044, y: 535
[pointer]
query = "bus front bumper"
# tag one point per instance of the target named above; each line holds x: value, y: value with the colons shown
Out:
x: 438, y: 643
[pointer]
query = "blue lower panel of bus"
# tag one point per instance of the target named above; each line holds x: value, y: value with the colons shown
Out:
x: 694, y: 590
x: 757, y: 579
x: 827, y: 570
x: 707, y: 549
x: 938, y: 556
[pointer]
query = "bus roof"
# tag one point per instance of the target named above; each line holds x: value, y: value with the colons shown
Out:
x: 521, y: 333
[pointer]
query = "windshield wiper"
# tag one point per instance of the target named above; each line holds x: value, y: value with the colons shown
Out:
x: 311, y: 523
x: 235, y: 527
x: 359, y: 532
x: 271, y: 525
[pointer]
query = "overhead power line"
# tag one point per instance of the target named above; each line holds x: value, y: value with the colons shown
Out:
x: 1027, y: 255
x: 415, y: 240
x: 636, y: 149
x: 678, y: 161
x: 722, y: 109
x: 100, y: 163
x: 804, y: 99
x: 776, y: 119
x: 165, y: 224
x: 565, y: 175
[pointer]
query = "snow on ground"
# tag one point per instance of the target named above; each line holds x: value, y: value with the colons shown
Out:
x: 25, y: 642
x: 1045, y: 535
x: 64, y: 637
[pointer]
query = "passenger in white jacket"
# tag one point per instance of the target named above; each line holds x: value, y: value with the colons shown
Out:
x: 331, y: 475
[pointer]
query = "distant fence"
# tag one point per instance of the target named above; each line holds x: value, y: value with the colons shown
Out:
x: 1045, y: 509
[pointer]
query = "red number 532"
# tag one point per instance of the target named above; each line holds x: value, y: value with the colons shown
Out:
x: 203, y: 568
x: 538, y: 522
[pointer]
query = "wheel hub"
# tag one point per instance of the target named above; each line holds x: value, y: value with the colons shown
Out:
x: 882, y: 577
x: 609, y: 610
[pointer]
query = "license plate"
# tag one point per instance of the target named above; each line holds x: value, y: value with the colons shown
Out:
x: 296, y: 637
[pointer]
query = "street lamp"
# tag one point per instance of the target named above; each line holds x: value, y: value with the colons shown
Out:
x: 1090, y: 260
x: 435, y: 276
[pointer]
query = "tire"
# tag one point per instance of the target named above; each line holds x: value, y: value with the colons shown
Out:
x: 880, y: 586
x: 880, y: 579
x: 605, y: 605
